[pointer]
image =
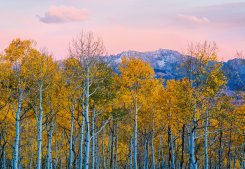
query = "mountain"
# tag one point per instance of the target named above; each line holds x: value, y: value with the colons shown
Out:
x: 235, y: 72
x: 167, y: 64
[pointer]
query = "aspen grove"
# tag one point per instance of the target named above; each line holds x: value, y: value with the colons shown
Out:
x: 79, y: 113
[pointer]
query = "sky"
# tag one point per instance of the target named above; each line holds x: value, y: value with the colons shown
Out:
x: 141, y: 25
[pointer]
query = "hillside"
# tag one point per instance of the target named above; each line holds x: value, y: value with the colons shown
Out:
x: 167, y: 64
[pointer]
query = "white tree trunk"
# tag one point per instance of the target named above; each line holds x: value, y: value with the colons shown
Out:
x: 87, y: 136
x: 135, y: 134
x: 71, y: 137
x: 108, y: 152
x: 152, y: 147
x: 116, y: 154
x: 159, y: 158
x: 17, y: 131
x: 162, y: 148
x: 112, y: 147
x: 4, y: 157
x: 146, y: 153
x: 193, y: 164
x: 206, y: 141
x: 103, y: 149
x: 131, y: 153
x: 49, y: 157
x: 93, y: 139
x: 39, y: 138
x: 97, y: 162
x: 81, y: 139
x: 171, y: 148
x: 56, y: 148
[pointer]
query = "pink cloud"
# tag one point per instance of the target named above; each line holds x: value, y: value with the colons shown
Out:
x: 62, y: 14
x: 193, y: 19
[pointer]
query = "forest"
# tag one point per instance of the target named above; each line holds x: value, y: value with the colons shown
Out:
x: 79, y: 113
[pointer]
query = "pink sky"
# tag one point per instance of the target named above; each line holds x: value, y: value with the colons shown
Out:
x: 126, y: 25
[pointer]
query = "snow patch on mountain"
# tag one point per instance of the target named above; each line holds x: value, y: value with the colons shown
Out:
x: 167, y: 64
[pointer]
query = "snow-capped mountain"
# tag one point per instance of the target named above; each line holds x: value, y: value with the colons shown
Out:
x: 167, y: 64
x: 235, y: 72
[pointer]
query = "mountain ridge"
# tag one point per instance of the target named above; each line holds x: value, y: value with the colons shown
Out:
x: 167, y: 64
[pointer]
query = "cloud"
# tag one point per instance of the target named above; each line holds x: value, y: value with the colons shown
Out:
x: 225, y: 15
x: 226, y: 6
x: 193, y: 19
x: 63, y: 14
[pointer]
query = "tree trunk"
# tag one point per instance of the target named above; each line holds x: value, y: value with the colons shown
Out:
x: 112, y: 147
x: 103, y: 149
x: 108, y: 152
x: 135, y: 135
x: 162, y: 148
x: 131, y: 153
x: 152, y: 146
x: 49, y: 157
x: 116, y: 147
x: 17, y: 131
x: 39, y: 138
x: 234, y: 162
x: 159, y: 158
x: 206, y: 140
x: 3, y: 157
x: 87, y: 136
x: 56, y: 148
x: 183, y: 147
x: 71, y: 137
x: 193, y: 164
x: 97, y: 162
x: 93, y: 138
x: 171, y: 147
x: 49, y: 129
x: 229, y: 152
x: 242, y: 157
x: 220, y: 148
x: 81, y: 138
x: 146, y: 152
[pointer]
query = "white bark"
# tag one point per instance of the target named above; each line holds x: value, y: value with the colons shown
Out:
x: 193, y: 164
x: 116, y: 154
x: 152, y: 147
x: 135, y: 134
x: 162, y: 148
x: 49, y: 156
x: 159, y: 158
x: 206, y: 141
x: 103, y: 149
x: 146, y: 153
x: 81, y: 138
x: 108, y: 152
x: 171, y: 148
x: 93, y: 139
x: 131, y: 153
x: 71, y: 137
x: 17, y: 131
x: 39, y: 138
x: 87, y: 136
x: 97, y: 162
x: 4, y: 158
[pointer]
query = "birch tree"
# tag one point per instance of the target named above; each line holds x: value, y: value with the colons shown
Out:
x: 207, y: 79
x: 135, y: 80
x: 14, y: 58
x: 42, y: 69
x: 87, y: 48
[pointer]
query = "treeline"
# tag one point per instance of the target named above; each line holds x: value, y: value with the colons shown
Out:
x: 81, y: 114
